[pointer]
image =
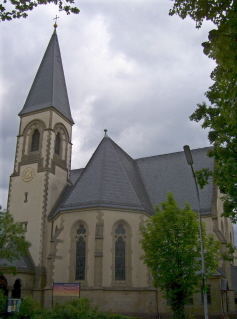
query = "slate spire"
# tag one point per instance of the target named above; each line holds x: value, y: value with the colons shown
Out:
x: 49, y: 86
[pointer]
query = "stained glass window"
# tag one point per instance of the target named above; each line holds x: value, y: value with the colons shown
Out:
x: 80, y: 254
x: 35, y: 141
x: 120, y: 254
x: 57, y: 144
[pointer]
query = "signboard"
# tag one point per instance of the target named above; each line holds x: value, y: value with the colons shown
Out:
x: 13, y: 305
x: 66, y: 289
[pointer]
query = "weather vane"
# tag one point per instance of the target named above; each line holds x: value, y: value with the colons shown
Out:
x: 55, y: 24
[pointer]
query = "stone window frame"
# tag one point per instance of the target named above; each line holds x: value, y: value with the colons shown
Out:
x: 59, y: 128
x: 35, y: 141
x: 28, y: 134
x: 73, y: 248
x: 128, y: 253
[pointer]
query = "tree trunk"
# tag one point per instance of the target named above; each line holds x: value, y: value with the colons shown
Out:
x: 177, y: 306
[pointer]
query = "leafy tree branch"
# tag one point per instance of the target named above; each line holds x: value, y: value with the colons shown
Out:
x: 12, y: 241
x: 13, y: 9
x: 220, y: 117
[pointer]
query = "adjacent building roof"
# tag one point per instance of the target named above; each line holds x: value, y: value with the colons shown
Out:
x: 49, y: 86
x: 113, y: 179
x: 171, y: 173
x: 25, y: 262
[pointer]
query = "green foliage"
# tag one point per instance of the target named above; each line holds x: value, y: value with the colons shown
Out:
x: 12, y: 240
x: 19, y: 8
x: 229, y: 255
x: 221, y: 116
x: 29, y: 308
x: 78, y: 308
x: 203, y: 176
x: 170, y: 240
x: 3, y: 303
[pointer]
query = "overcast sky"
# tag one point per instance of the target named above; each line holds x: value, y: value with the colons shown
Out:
x: 129, y: 67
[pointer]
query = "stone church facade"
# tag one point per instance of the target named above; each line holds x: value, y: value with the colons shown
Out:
x: 84, y: 224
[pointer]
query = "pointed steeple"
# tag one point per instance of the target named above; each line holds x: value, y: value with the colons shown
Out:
x: 49, y: 86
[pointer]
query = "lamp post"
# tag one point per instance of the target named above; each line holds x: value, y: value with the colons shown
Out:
x: 189, y: 159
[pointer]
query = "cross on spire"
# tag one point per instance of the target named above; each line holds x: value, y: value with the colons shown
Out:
x: 55, y: 24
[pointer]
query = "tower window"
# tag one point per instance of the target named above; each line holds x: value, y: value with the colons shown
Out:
x: 81, y: 254
x: 120, y: 254
x: 35, y: 141
x: 57, y: 144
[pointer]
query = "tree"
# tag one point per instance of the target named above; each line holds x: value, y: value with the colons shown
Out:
x: 170, y: 240
x: 12, y: 9
x: 12, y: 241
x: 221, y: 116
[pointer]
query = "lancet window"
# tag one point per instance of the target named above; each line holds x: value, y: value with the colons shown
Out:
x: 120, y: 248
x: 81, y: 253
x: 57, y: 144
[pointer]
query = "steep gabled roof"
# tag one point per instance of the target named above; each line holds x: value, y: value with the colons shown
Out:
x: 110, y: 179
x: 113, y: 179
x: 49, y: 86
x: 171, y: 173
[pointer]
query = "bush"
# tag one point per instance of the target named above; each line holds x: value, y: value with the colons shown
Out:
x: 3, y: 303
x: 76, y: 309
x: 29, y: 307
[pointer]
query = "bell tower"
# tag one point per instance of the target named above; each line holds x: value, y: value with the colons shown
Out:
x: 43, y: 152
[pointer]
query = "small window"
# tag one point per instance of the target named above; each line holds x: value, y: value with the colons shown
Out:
x: 57, y: 144
x: 208, y: 295
x: 35, y: 141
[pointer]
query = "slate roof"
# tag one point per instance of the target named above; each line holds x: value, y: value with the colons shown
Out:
x: 171, y: 173
x: 25, y: 262
x: 49, y: 86
x: 113, y: 179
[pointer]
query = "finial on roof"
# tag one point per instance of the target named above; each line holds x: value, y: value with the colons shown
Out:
x: 55, y: 24
x: 105, y: 133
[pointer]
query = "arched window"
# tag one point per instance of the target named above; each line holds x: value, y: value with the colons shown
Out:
x: 35, y: 141
x: 81, y: 253
x: 120, y: 253
x: 3, y: 285
x: 57, y: 144
x: 16, y: 292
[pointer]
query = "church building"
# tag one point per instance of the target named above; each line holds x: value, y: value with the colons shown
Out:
x: 84, y: 224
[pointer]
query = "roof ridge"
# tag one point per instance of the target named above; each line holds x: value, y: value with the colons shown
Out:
x: 123, y: 166
x: 166, y: 154
x: 137, y: 172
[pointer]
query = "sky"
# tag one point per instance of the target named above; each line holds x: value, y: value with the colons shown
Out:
x: 130, y: 68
